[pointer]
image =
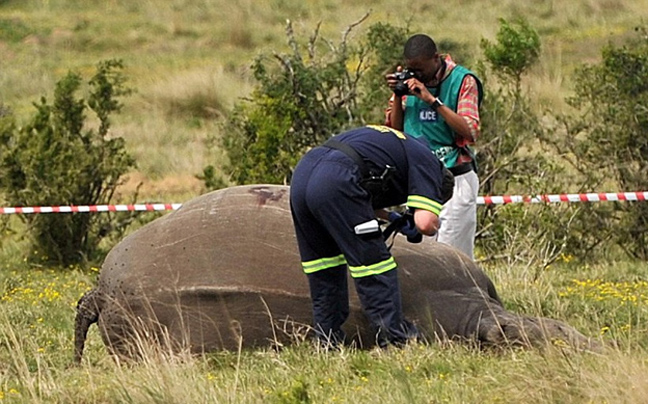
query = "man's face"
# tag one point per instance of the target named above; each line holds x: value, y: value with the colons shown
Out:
x: 424, y: 69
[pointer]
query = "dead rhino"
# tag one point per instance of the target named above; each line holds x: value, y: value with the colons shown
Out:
x: 223, y: 272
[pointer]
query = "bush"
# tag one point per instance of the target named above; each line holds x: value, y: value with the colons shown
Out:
x: 512, y: 160
x: 516, y: 50
x: 57, y: 160
x: 303, y: 97
x: 606, y: 144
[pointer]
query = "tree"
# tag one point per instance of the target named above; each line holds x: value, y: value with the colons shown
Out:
x: 511, y: 159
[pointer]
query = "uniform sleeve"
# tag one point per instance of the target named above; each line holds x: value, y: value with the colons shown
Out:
x: 424, y: 179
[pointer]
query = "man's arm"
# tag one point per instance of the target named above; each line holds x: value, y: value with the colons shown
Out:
x: 464, y: 122
x: 394, y: 111
x: 468, y: 109
x: 425, y: 221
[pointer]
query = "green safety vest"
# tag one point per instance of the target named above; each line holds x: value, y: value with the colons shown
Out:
x: 420, y: 120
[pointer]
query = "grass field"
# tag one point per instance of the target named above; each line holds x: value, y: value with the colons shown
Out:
x: 607, y: 302
x: 180, y: 54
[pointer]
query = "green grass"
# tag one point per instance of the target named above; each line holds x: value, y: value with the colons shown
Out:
x: 609, y: 302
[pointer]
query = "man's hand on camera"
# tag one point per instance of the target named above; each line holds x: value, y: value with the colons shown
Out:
x: 418, y: 89
x: 391, y: 78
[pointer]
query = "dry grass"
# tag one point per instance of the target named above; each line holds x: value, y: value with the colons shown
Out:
x: 189, y: 59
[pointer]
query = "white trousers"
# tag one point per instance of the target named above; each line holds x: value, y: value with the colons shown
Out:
x: 458, y: 217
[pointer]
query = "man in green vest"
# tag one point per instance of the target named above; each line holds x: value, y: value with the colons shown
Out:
x: 437, y: 101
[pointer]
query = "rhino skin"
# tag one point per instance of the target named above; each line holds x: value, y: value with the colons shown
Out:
x: 223, y: 272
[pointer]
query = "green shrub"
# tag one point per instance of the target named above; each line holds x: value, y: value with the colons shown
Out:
x: 303, y: 97
x: 511, y: 159
x: 509, y: 125
x: 59, y: 158
x: 516, y: 50
x: 606, y: 143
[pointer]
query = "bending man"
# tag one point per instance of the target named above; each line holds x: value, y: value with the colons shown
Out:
x: 335, y: 191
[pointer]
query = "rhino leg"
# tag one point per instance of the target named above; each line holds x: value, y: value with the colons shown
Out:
x: 87, y: 313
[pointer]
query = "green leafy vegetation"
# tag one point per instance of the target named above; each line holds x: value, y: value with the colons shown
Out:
x: 516, y: 50
x: 57, y: 159
x: 508, y: 158
x: 606, y: 144
x: 305, y: 96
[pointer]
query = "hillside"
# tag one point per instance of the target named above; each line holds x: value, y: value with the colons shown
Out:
x: 188, y: 59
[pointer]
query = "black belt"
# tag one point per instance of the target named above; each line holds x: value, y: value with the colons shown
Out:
x: 349, y: 151
x: 461, y: 169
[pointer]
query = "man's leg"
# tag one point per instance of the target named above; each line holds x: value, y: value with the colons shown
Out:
x: 459, y: 215
x: 336, y: 203
x: 322, y: 260
x: 330, y: 296
x: 380, y: 297
x: 340, y: 210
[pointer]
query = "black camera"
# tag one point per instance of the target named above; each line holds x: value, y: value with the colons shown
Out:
x: 401, y: 88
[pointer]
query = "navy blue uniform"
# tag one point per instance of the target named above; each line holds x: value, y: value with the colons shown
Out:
x: 328, y: 200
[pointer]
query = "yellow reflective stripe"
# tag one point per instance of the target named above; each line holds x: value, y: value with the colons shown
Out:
x: 385, y: 129
x: 421, y: 202
x: 323, y: 263
x: 375, y: 269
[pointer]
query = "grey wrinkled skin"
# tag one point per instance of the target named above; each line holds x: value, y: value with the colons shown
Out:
x: 223, y: 272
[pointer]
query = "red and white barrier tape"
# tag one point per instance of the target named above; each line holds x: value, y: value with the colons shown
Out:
x: 481, y: 200
x: 91, y: 208
x: 590, y: 197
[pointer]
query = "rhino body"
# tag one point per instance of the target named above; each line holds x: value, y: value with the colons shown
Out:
x: 223, y: 272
